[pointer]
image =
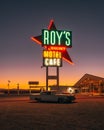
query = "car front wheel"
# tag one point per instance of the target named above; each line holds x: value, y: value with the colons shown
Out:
x: 60, y: 100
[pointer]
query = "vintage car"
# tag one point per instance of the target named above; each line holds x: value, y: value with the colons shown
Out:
x: 52, y: 96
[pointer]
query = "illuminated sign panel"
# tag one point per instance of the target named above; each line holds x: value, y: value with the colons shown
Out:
x: 52, y: 62
x: 56, y: 48
x: 52, y: 58
x: 56, y: 38
x: 52, y: 54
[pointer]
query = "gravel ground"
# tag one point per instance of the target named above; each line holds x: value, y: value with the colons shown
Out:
x: 18, y: 113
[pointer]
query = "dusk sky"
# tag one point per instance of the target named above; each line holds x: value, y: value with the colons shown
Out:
x: 21, y: 58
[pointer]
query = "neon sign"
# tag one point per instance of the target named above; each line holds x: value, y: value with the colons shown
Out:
x: 56, y: 38
x: 52, y: 62
x: 55, y: 43
x: 52, y: 58
x: 56, y: 48
x: 52, y: 54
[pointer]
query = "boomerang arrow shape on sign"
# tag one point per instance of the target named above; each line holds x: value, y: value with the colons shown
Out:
x: 38, y: 39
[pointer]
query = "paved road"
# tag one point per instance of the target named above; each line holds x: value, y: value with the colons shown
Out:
x: 18, y: 113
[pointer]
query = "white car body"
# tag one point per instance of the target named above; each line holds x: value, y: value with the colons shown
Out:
x: 50, y: 96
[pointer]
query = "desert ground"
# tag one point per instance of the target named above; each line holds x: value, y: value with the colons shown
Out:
x: 19, y: 113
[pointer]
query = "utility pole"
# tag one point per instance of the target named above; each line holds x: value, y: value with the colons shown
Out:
x: 9, y: 87
x: 18, y: 88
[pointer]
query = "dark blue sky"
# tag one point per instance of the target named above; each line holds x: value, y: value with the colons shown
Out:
x: 21, y: 58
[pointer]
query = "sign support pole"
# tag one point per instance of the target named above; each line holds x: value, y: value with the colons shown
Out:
x: 58, y: 77
x: 51, y: 77
x: 47, y: 78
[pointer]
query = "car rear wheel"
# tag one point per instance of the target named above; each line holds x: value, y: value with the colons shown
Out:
x: 38, y: 99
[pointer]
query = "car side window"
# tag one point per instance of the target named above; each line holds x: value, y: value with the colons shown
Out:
x: 48, y: 93
x: 43, y: 93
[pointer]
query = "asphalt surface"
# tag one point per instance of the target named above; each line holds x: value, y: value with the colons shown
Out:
x: 19, y: 113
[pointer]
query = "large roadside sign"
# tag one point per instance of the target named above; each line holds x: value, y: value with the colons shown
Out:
x: 57, y: 41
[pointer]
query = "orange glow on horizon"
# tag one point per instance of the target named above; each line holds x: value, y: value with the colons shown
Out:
x: 23, y: 84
